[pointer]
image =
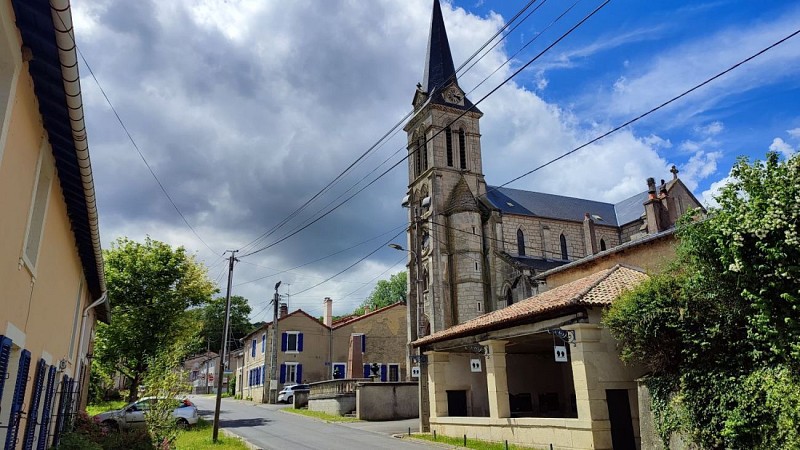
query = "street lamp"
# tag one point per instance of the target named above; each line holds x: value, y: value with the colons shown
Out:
x: 424, y: 407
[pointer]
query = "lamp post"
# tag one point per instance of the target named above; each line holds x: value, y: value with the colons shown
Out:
x: 424, y: 407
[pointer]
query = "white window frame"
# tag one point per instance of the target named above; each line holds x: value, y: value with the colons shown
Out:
x: 45, y: 166
x: 11, y: 64
x: 288, y: 380
x: 263, y: 343
x: 296, y: 341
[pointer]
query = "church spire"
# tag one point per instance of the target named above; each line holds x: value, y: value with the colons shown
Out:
x: 439, y: 68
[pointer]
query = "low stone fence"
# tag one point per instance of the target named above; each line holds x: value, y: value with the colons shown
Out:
x: 300, y: 398
x: 334, y: 396
x: 387, y: 401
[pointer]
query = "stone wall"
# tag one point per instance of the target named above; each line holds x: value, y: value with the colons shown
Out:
x: 340, y: 405
x: 387, y: 401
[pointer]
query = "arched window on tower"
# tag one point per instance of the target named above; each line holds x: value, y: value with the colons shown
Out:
x: 602, y: 245
x: 448, y: 135
x: 417, y: 163
x: 564, y: 254
x: 462, y: 148
x: 520, y: 242
x: 424, y: 152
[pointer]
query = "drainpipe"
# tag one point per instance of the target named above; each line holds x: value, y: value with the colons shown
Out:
x: 86, y: 310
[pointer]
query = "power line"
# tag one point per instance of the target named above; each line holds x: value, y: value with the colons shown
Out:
x: 412, y: 152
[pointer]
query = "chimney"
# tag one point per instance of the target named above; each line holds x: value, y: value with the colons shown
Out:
x: 653, y: 209
x: 366, y: 310
x: 284, y: 311
x: 328, y: 320
x: 589, y: 235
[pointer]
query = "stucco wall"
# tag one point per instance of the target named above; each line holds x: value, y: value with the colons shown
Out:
x: 42, y: 304
x: 387, y: 401
x: 386, y: 338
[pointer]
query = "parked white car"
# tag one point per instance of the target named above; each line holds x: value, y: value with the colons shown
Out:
x: 287, y: 394
x: 132, y: 416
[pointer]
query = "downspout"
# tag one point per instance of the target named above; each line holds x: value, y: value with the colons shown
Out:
x: 85, y: 316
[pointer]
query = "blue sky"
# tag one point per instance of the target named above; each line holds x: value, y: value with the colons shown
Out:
x: 247, y: 108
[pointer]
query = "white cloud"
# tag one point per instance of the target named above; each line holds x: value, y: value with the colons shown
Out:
x: 699, y: 167
x: 780, y: 146
x: 794, y: 133
x: 708, y: 197
x: 711, y: 129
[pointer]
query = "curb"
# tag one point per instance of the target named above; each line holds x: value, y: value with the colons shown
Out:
x: 233, y: 435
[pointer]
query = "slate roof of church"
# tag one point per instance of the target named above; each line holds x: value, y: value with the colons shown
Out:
x: 440, y: 71
x: 552, y: 206
x: 597, y: 289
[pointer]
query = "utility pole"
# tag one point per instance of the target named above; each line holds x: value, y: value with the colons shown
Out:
x: 222, y: 352
x: 273, y: 371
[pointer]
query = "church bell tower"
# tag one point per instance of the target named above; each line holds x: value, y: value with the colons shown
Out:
x: 445, y: 179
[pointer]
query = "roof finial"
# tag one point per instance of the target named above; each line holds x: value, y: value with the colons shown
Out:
x: 674, y: 171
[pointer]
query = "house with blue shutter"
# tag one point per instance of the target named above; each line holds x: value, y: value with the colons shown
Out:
x: 310, y: 350
x: 51, y: 265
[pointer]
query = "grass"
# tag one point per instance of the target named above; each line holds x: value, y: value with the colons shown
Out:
x: 97, y: 408
x: 320, y: 415
x: 471, y: 443
x: 200, y: 437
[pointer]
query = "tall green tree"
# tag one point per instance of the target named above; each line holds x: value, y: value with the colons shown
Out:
x: 720, y: 332
x: 150, y: 286
x: 386, y: 292
x: 212, y: 315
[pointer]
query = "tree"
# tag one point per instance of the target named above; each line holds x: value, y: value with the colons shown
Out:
x: 720, y: 331
x: 150, y: 285
x: 212, y: 316
x: 386, y: 292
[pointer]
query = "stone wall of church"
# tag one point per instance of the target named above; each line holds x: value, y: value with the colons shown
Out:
x: 630, y: 229
x: 543, y: 236
x: 466, y: 247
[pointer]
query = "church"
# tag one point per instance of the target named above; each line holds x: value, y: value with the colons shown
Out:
x: 477, y: 248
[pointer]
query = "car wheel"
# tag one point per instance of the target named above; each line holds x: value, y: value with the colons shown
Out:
x: 110, y: 425
x: 290, y: 400
x: 182, y: 423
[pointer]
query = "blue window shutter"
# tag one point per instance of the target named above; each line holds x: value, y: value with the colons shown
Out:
x: 283, y: 373
x: 366, y: 371
x: 5, y: 356
x: 299, y: 374
x: 33, y: 407
x: 253, y: 350
x: 44, y: 429
x: 284, y: 341
x: 20, y: 387
x: 299, y: 342
x: 363, y: 343
x: 383, y: 372
x: 263, y: 376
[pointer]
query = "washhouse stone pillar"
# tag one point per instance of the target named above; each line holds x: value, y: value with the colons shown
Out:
x: 497, y: 379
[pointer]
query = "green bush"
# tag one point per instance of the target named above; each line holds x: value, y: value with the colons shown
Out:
x: 77, y: 441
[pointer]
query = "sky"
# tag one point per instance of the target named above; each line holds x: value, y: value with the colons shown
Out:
x: 245, y: 109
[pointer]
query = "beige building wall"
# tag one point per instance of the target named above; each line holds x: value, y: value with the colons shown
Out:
x: 42, y: 302
x: 386, y: 340
x: 653, y: 256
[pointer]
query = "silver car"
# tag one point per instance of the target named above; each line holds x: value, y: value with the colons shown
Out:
x: 132, y: 416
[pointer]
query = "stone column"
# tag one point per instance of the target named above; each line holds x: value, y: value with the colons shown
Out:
x: 496, y: 379
x: 437, y: 382
x: 589, y: 396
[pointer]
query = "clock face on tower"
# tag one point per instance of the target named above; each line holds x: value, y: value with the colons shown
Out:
x: 454, y: 95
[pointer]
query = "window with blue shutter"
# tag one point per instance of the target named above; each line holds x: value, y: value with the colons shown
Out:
x: 5, y: 357
x: 383, y: 372
x: 298, y: 377
x: 299, y: 342
x: 263, y: 377
x: 263, y: 343
x: 44, y: 429
x: 283, y: 374
x: 366, y: 371
x: 284, y: 341
x: 253, y: 350
x: 33, y: 407
x: 17, y: 400
x: 62, y: 401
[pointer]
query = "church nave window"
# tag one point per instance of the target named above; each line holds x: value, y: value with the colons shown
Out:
x: 520, y: 242
x: 564, y: 254
x: 602, y: 245
x: 462, y: 148
x: 424, y: 150
x: 448, y: 134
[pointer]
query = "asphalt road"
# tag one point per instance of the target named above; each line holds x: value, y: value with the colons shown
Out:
x: 267, y: 427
